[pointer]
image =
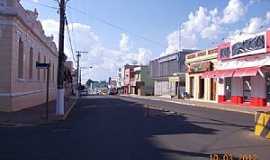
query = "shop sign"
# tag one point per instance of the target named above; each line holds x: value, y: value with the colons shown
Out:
x: 255, y: 45
x: 252, y: 45
x: 200, y: 67
x: 212, y: 51
x: 190, y: 56
x: 169, y: 58
x: 225, y: 53
x: 203, y: 53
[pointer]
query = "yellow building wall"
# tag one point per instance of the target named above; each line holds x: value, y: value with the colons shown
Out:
x: 207, y: 81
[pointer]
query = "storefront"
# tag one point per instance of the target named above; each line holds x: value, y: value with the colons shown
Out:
x: 243, y: 70
x: 177, y: 85
x: 198, y: 86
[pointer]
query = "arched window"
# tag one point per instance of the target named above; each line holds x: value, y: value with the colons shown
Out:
x: 20, y: 59
x: 31, y: 63
x: 44, y: 70
x: 38, y: 70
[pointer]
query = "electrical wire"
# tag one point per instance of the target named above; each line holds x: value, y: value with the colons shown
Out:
x: 42, y: 4
x: 119, y: 27
x: 70, y: 42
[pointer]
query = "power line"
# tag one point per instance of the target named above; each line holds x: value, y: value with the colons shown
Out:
x: 70, y: 42
x: 119, y: 27
x: 42, y: 4
x: 72, y: 31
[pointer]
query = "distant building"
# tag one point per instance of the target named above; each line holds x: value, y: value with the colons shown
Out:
x: 144, y: 85
x: 22, y: 44
x: 112, y: 82
x: 120, y: 78
x: 168, y: 73
x: 129, y: 76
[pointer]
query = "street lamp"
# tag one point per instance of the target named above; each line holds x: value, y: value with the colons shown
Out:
x: 80, y: 79
x: 180, y: 40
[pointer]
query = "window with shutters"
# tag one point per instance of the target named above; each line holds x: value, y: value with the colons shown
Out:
x: 31, y: 63
x: 38, y: 70
x: 20, y: 59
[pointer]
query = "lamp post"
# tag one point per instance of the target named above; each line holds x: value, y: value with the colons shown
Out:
x: 179, y: 40
x: 80, y: 76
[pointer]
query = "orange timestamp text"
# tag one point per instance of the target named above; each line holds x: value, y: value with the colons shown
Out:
x: 229, y: 156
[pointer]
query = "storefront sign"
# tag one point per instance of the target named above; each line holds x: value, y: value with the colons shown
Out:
x: 169, y: 58
x: 200, y: 67
x: 254, y: 44
x: 190, y: 56
x: 203, y: 53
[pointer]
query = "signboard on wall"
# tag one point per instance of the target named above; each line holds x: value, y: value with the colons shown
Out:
x: 200, y: 67
x: 250, y: 45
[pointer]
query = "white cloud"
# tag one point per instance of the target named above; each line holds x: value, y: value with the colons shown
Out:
x: 201, y: 23
x: 124, y: 43
x: 105, y: 61
x: 255, y: 25
x: 234, y: 11
x: 210, y: 31
x: 204, y: 24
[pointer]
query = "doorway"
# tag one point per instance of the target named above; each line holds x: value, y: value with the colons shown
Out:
x: 246, y: 89
x: 228, y: 88
x: 201, y: 87
x: 267, y: 80
x: 191, y: 86
x: 176, y: 89
x: 213, y: 89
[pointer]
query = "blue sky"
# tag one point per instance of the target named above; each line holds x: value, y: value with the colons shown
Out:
x: 150, y: 28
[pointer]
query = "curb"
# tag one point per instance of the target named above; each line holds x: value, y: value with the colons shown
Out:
x: 193, y: 105
x: 69, y: 110
x: 14, y: 125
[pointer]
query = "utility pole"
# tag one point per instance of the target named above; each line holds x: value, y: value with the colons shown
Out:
x: 61, y: 60
x: 79, y: 70
x: 179, y: 40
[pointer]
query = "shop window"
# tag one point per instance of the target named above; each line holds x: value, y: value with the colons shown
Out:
x: 267, y: 79
x: 31, y: 63
x: 246, y: 88
x: 228, y: 88
x: 20, y: 59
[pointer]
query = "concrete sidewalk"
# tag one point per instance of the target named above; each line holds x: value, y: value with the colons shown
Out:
x: 226, y: 107
x: 35, y: 115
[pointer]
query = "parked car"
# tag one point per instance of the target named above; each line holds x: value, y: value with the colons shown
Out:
x: 112, y: 91
x: 84, y: 92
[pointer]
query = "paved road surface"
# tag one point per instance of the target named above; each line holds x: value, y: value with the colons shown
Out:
x: 118, y: 128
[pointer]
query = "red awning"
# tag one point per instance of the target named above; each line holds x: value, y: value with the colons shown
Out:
x: 249, y: 71
x: 219, y: 73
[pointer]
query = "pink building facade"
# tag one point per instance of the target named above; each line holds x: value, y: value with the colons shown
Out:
x: 22, y: 44
x: 129, y: 79
x: 243, y: 70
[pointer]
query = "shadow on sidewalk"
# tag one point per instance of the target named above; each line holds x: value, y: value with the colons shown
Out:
x: 32, y: 116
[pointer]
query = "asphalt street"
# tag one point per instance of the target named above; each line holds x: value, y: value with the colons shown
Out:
x: 120, y: 128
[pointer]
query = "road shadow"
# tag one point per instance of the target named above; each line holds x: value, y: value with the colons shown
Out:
x: 102, y: 128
